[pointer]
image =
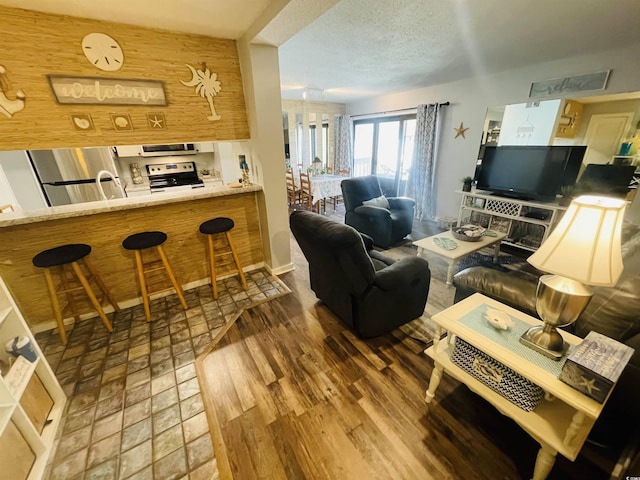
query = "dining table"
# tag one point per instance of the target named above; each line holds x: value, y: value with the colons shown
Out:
x: 325, y: 186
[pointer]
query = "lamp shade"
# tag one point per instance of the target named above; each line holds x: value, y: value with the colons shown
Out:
x: 585, y: 245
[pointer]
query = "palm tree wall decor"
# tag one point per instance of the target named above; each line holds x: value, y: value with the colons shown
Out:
x: 207, y: 85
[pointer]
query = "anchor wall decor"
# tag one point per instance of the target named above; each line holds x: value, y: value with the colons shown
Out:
x: 9, y: 107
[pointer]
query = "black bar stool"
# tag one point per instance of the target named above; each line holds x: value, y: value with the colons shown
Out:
x: 55, y: 261
x: 142, y: 241
x: 211, y: 228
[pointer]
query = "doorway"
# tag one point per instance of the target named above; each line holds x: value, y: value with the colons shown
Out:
x: 604, y: 136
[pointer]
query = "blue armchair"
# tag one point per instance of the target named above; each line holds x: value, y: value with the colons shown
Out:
x: 368, y: 291
x: 385, y: 224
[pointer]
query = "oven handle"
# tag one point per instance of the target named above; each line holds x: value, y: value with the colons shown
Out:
x: 162, y: 190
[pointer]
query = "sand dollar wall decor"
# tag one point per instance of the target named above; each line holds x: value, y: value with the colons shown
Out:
x: 103, y: 52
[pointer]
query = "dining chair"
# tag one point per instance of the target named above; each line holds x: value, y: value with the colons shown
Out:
x: 293, y: 193
x: 306, y: 197
x: 338, y: 198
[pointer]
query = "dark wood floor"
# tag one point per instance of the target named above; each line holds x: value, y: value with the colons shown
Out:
x: 292, y: 394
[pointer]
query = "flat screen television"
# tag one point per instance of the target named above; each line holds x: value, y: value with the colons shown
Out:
x: 611, y: 180
x: 529, y: 172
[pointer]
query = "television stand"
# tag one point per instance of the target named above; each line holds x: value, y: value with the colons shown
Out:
x: 527, y: 223
x: 523, y: 198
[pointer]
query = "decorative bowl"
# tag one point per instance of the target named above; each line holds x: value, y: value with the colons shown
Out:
x: 466, y: 234
x: 498, y: 319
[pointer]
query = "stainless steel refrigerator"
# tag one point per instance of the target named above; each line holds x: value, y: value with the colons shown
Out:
x: 68, y: 175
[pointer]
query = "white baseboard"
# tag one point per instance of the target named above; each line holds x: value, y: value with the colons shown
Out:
x: 280, y: 270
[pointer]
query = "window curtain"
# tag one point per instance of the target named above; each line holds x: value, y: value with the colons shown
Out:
x: 343, y: 144
x: 420, y: 182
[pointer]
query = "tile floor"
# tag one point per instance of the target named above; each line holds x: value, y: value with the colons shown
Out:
x: 134, y: 407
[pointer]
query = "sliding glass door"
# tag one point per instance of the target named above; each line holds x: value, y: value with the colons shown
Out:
x: 363, y: 149
x: 384, y: 147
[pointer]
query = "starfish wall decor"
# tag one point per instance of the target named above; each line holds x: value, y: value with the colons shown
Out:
x: 460, y: 130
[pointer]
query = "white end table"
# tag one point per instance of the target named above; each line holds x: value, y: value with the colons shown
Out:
x: 562, y: 420
x: 462, y: 250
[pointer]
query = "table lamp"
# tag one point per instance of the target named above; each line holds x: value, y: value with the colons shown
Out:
x: 584, y: 249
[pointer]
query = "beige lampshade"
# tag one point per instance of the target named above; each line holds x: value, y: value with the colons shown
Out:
x: 585, y: 245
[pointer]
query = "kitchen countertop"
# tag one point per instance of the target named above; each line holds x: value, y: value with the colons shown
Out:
x: 91, y: 208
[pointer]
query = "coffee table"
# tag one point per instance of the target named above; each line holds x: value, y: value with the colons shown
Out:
x: 462, y: 250
x: 561, y: 421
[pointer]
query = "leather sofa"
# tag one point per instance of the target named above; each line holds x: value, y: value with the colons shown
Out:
x: 385, y: 226
x: 612, y: 311
x: 368, y: 291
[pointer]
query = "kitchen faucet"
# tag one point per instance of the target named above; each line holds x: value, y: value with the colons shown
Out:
x: 113, y: 178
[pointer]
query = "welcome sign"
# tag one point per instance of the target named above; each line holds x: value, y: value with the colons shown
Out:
x: 106, y: 91
x: 577, y: 83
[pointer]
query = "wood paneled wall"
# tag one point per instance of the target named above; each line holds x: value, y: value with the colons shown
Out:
x: 37, y: 44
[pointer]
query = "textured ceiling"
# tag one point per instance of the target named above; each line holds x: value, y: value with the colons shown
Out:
x: 347, y: 50
x: 363, y: 48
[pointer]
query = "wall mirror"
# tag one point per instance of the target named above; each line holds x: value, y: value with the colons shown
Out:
x: 596, y: 130
x: 536, y: 151
x: 606, y: 124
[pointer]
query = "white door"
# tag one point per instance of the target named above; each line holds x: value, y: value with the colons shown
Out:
x: 604, y: 136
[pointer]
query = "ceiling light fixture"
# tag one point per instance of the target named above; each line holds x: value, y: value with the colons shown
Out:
x: 313, y: 94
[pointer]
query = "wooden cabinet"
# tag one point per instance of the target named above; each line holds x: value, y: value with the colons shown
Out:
x: 526, y: 223
x: 31, y: 401
x: 205, y: 147
x: 129, y: 150
x: 570, y: 118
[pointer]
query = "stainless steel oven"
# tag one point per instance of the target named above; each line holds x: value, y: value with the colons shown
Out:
x: 171, y: 177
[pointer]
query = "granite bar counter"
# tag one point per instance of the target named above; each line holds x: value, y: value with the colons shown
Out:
x: 104, y: 224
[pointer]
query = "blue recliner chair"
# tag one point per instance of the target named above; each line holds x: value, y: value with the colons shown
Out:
x: 385, y: 224
x: 370, y: 292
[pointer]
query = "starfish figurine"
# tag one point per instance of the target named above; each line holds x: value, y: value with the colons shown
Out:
x: 460, y: 130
